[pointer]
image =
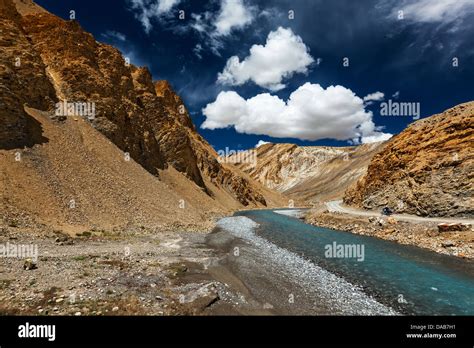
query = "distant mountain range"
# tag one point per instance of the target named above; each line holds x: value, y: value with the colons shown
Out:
x: 310, y: 174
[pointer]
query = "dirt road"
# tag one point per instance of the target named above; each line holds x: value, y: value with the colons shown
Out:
x: 336, y: 206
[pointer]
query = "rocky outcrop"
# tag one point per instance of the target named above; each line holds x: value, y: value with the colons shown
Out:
x: 426, y: 170
x: 309, y: 173
x: 148, y: 120
x: 175, y: 176
x: 22, y: 81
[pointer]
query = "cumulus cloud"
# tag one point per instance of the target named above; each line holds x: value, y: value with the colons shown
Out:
x: 283, y: 55
x: 147, y: 10
x: 310, y: 113
x: 261, y: 142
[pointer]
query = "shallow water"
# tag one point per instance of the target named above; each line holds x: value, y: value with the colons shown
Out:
x: 409, y: 279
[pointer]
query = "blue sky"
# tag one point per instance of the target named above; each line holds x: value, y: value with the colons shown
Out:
x: 263, y: 70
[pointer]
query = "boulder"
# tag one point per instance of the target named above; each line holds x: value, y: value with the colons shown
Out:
x: 29, y: 264
x: 453, y: 227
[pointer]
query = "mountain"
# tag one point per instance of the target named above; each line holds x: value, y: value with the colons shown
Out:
x: 426, y: 170
x: 309, y: 173
x: 47, y: 62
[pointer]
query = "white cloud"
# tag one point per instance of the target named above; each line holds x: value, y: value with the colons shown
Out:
x: 199, y: 22
x: 146, y: 10
x: 375, y: 138
x: 198, y: 50
x: 283, y: 55
x: 429, y: 11
x: 310, y: 113
x: 234, y: 14
x: 114, y: 35
x: 165, y: 6
x: 376, y: 96
x: 261, y: 142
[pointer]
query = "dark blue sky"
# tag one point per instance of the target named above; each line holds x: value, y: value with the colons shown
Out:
x: 412, y: 56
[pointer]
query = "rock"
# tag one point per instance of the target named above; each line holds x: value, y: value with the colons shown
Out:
x: 64, y: 240
x: 391, y: 220
x: 447, y: 244
x: 380, y: 222
x: 267, y: 306
x: 29, y: 264
x: 428, y: 167
x: 78, y: 314
x: 444, y: 227
x: 115, y: 309
x: 146, y: 121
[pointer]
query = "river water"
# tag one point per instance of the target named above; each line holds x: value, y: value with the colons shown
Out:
x: 388, y: 278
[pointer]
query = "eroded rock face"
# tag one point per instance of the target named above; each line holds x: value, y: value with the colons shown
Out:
x: 427, y: 169
x: 310, y: 173
x: 62, y: 62
x: 22, y: 81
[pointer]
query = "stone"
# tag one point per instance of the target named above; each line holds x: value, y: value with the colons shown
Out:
x: 29, y: 264
x: 447, y: 244
x: 391, y: 220
x: 452, y: 227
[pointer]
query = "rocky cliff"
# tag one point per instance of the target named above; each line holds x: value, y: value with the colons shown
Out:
x: 426, y: 170
x: 309, y: 173
x: 45, y: 60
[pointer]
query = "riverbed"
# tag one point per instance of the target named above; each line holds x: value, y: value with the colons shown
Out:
x: 284, y: 264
